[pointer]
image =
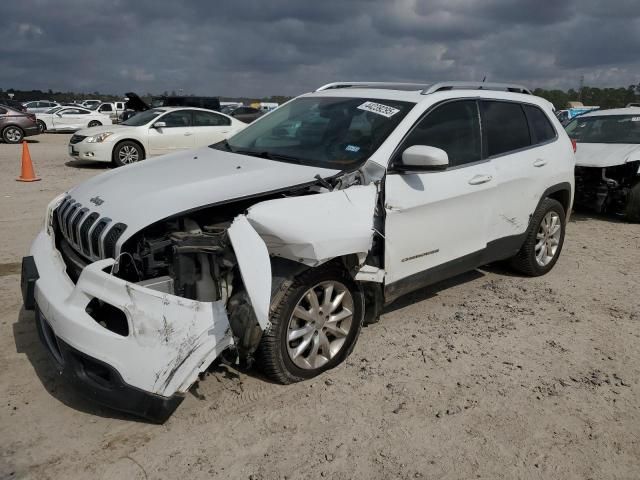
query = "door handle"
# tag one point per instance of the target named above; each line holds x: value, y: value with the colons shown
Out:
x: 480, y: 179
x: 188, y: 134
x: 540, y: 162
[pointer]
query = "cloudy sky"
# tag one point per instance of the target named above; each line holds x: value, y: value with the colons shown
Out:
x: 285, y: 47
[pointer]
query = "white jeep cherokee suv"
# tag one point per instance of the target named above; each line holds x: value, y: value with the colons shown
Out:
x: 276, y: 245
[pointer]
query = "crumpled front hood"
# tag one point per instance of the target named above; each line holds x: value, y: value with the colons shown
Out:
x: 606, y: 154
x: 144, y: 193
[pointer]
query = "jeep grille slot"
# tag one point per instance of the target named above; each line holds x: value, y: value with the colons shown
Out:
x: 86, y: 232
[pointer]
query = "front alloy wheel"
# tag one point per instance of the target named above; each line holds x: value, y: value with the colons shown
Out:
x: 126, y: 153
x: 319, y: 325
x: 314, y: 325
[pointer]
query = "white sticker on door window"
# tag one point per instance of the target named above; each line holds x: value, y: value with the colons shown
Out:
x: 380, y: 109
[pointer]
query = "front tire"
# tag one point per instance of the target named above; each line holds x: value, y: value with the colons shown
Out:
x: 94, y: 123
x: 127, y: 152
x: 42, y: 127
x: 12, y: 134
x: 544, y: 240
x: 314, y: 326
x: 633, y: 204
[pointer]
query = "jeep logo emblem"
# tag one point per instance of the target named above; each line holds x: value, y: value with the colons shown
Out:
x: 96, y: 200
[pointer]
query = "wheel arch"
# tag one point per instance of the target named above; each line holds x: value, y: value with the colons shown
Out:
x: 562, y: 192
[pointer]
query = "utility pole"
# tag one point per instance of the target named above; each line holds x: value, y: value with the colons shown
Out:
x: 581, y: 88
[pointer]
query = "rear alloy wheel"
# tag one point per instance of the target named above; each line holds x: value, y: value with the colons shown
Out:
x: 314, y: 327
x: 42, y: 127
x: 126, y: 153
x: 94, y: 123
x: 633, y: 204
x: 544, y: 240
x: 12, y: 134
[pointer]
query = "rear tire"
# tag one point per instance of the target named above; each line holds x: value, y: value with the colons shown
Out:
x: 300, y: 346
x: 633, y: 204
x: 94, y: 123
x: 12, y: 134
x: 42, y: 127
x: 544, y: 240
x: 127, y: 152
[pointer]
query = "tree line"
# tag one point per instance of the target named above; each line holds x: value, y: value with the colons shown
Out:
x: 602, y: 97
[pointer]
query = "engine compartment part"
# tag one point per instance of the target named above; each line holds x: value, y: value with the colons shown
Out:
x: 606, y: 189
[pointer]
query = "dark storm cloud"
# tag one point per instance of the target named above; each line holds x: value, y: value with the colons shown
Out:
x: 264, y: 47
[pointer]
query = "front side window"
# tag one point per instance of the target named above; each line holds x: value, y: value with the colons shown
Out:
x: 325, y: 132
x: 179, y: 118
x: 505, y: 127
x: 605, y: 129
x: 208, y: 119
x: 539, y: 125
x: 452, y: 127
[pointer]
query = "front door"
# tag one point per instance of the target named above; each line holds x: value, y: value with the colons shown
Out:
x: 176, y: 135
x: 437, y: 221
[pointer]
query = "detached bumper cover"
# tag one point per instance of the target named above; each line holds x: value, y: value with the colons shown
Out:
x: 170, y: 341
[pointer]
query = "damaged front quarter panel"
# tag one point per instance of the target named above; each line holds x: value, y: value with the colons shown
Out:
x: 313, y: 229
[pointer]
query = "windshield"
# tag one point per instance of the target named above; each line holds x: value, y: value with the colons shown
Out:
x: 605, y: 129
x: 338, y: 133
x: 53, y: 110
x: 142, y: 118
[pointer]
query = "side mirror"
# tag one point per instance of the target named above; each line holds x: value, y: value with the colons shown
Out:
x: 159, y: 125
x: 423, y: 157
x: 58, y: 114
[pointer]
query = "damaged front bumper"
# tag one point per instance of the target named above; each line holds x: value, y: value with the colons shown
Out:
x: 169, y: 340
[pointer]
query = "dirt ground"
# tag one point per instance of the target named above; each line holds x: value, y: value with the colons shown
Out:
x: 489, y: 375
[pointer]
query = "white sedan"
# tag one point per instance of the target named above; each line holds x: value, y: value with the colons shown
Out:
x: 154, y: 132
x: 70, y: 119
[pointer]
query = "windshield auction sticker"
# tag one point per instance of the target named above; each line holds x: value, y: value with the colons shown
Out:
x: 380, y: 109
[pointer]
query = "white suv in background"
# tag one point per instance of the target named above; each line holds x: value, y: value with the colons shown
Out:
x: 275, y: 245
x: 155, y: 132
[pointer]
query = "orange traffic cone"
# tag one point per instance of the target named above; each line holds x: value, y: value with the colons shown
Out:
x: 28, y: 175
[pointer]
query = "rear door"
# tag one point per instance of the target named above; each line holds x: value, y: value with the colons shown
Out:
x: 70, y: 119
x: 209, y: 127
x: 437, y: 221
x: 176, y: 135
x: 520, y: 166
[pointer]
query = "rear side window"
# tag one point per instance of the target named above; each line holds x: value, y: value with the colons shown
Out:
x: 452, y: 127
x: 540, y: 126
x: 207, y: 119
x: 505, y: 127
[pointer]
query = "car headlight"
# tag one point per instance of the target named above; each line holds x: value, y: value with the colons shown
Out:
x: 99, y: 138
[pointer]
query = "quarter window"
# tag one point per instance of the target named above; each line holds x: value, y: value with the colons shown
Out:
x: 207, y: 119
x: 540, y: 126
x: 454, y: 128
x: 505, y: 127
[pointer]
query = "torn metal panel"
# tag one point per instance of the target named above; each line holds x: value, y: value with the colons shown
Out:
x: 315, y: 228
x: 171, y: 339
x: 255, y: 266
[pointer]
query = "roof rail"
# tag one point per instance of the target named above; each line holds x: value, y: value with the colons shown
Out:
x: 388, y: 85
x: 509, y: 87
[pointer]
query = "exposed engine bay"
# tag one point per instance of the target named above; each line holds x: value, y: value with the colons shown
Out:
x: 605, y: 189
x: 191, y: 255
